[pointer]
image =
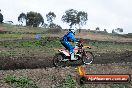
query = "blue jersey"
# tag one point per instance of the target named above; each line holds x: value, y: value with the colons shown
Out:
x: 69, y: 37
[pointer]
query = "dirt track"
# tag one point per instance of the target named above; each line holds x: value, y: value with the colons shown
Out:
x: 43, y: 62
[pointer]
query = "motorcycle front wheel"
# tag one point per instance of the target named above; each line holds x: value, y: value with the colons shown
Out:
x: 88, y: 57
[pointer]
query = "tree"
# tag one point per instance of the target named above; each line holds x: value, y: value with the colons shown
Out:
x: 34, y: 19
x: 22, y: 17
x: 70, y: 17
x: 82, y: 18
x: 118, y: 30
x: 97, y: 29
x: 50, y: 17
x: 113, y: 31
x: 105, y: 31
x: 45, y: 25
x: 1, y: 17
x: 74, y: 17
x: 52, y: 25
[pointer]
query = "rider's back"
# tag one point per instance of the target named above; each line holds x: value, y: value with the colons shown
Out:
x: 69, y: 36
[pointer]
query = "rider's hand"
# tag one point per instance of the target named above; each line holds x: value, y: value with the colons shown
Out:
x: 78, y: 40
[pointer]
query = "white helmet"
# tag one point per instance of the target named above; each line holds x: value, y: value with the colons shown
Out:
x: 72, y: 30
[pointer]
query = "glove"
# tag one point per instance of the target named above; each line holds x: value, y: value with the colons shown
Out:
x: 78, y: 40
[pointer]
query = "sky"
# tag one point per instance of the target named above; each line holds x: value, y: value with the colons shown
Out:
x: 105, y: 14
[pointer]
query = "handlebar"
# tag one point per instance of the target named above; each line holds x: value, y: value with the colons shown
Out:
x: 79, y: 44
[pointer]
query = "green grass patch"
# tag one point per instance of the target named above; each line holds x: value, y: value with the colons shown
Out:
x: 10, y: 36
x: 17, y: 36
x: 32, y: 43
x: 22, y: 29
x: 119, y: 86
x: 22, y: 44
x: 7, y: 53
x: 53, y: 44
x: 68, y: 82
x: 109, y: 47
x: 47, y: 45
x: 19, y: 82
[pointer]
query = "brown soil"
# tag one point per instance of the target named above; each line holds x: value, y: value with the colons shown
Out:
x: 113, y: 58
x: 43, y: 72
x: 43, y: 62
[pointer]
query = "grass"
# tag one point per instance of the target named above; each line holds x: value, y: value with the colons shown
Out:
x: 27, y: 48
x: 34, y: 47
x: 19, y: 82
x: 22, y: 29
x: 47, y: 46
x: 32, y: 43
x: 68, y: 82
x: 119, y: 86
x: 10, y: 36
x: 7, y: 53
x: 21, y: 44
x: 109, y: 47
x: 18, y: 36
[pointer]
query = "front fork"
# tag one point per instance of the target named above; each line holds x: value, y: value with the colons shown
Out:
x: 80, y: 54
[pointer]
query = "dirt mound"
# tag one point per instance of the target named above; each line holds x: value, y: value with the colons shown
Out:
x: 43, y: 62
x: 8, y: 63
x: 113, y: 58
x: 25, y: 62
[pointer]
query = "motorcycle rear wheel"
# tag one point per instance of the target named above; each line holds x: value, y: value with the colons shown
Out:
x: 57, y: 60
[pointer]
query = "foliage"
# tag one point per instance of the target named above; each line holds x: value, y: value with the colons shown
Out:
x: 50, y: 17
x: 43, y: 42
x: 119, y: 86
x: 35, y: 43
x: 22, y: 17
x: 70, y: 17
x: 97, y: 29
x: 105, y: 31
x: 21, y: 44
x: 34, y: 19
x: 52, y: 25
x: 51, y: 43
x: 68, y: 82
x: 1, y: 18
x: 118, y: 30
x: 82, y: 18
x: 20, y: 82
x: 113, y: 32
x: 45, y: 25
x: 73, y: 17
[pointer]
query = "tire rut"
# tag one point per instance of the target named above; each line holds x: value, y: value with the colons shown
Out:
x: 12, y: 63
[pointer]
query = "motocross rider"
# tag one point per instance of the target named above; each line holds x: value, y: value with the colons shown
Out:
x: 65, y: 41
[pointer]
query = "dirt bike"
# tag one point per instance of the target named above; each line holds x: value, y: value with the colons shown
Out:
x: 79, y: 53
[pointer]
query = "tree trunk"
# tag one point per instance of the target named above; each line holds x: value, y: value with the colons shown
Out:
x: 79, y: 28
